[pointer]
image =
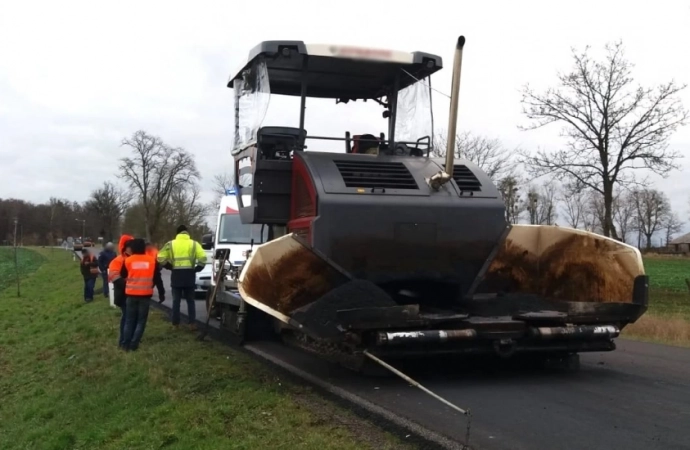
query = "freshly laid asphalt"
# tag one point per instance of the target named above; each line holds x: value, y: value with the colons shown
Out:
x: 636, y: 397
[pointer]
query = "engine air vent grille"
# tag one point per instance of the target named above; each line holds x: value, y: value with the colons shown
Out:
x: 376, y: 174
x: 465, y: 179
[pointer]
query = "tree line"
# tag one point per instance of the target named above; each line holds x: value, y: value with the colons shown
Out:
x: 615, y: 131
x: 157, y: 189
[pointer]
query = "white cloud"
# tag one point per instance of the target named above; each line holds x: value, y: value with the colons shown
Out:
x: 77, y: 77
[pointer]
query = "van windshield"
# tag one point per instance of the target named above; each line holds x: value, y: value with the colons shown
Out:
x: 233, y: 231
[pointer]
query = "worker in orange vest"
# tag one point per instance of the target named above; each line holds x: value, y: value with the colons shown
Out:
x: 141, y: 278
x: 151, y: 250
x: 117, y: 275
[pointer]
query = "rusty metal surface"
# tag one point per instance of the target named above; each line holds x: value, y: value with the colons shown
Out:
x: 286, y: 281
x: 577, y: 268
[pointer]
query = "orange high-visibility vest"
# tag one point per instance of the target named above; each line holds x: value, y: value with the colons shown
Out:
x: 140, y: 271
x: 152, y: 252
x: 115, y: 267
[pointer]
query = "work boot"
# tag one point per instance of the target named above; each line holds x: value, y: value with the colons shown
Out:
x: 192, y: 327
x: 176, y: 326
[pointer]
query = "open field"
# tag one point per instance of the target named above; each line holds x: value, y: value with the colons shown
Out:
x: 27, y: 261
x: 64, y: 384
x: 668, y: 273
x: 668, y: 317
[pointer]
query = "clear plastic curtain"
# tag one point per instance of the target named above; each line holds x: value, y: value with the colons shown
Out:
x: 413, y: 118
x: 252, y: 95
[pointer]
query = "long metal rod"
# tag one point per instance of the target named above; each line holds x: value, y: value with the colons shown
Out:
x: 393, y: 109
x: 212, y: 300
x: 414, y: 383
x: 303, y: 94
x: 431, y: 112
x: 16, y: 259
x: 454, y: 99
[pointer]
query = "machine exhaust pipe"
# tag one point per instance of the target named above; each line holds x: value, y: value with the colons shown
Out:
x: 423, y: 336
x: 454, y: 99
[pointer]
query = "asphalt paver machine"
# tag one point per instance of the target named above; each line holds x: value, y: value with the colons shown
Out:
x: 384, y: 248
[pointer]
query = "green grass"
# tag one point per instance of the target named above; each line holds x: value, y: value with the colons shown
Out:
x: 668, y: 274
x: 667, y: 320
x: 27, y: 262
x: 65, y: 385
x: 669, y: 294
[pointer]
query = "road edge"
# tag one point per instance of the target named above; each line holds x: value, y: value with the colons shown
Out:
x: 404, y: 428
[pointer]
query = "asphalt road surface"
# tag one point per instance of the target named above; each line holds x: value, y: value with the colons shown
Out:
x: 637, y: 397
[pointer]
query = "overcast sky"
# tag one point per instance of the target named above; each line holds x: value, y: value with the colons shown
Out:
x: 77, y: 77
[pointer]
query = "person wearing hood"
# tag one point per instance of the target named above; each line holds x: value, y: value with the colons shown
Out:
x: 117, y: 275
x: 141, y: 279
x: 104, y: 260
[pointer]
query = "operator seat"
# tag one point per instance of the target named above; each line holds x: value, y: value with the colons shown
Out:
x: 278, y: 142
x: 365, y: 144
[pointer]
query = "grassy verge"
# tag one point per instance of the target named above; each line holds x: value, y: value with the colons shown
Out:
x: 27, y: 263
x: 668, y: 318
x: 64, y: 384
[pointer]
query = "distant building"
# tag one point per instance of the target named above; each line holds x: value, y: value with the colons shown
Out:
x: 680, y: 244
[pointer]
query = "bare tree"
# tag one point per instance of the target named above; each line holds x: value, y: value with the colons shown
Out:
x: 155, y: 172
x: 109, y: 203
x: 510, y: 191
x: 652, y: 209
x: 188, y: 209
x: 56, y: 205
x: 221, y: 182
x: 541, y: 204
x: 672, y: 225
x: 575, y: 203
x: 549, y: 205
x: 489, y: 154
x: 531, y: 204
x: 624, y: 214
x: 612, y: 126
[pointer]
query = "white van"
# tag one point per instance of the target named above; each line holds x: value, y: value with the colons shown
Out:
x: 232, y: 234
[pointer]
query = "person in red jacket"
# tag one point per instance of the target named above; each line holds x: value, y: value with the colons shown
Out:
x: 89, y: 270
x: 117, y: 275
x: 141, y: 279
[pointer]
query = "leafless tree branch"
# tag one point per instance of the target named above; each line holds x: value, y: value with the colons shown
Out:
x: 612, y: 127
x: 155, y: 172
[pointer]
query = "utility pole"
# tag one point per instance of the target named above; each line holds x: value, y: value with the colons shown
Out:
x: 16, y: 259
x: 83, y: 228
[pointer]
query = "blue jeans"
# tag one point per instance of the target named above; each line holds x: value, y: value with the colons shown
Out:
x: 177, y: 295
x: 104, y: 275
x: 123, y: 318
x: 89, y: 284
x: 137, y: 312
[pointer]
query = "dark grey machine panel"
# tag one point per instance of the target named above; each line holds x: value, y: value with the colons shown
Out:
x: 378, y: 218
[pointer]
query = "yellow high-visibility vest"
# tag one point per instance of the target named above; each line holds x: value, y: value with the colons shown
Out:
x: 182, y: 252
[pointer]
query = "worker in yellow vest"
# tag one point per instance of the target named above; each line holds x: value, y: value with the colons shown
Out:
x: 184, y: 257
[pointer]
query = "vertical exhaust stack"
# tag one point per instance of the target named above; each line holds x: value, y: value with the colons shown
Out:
x: 453, y: 114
